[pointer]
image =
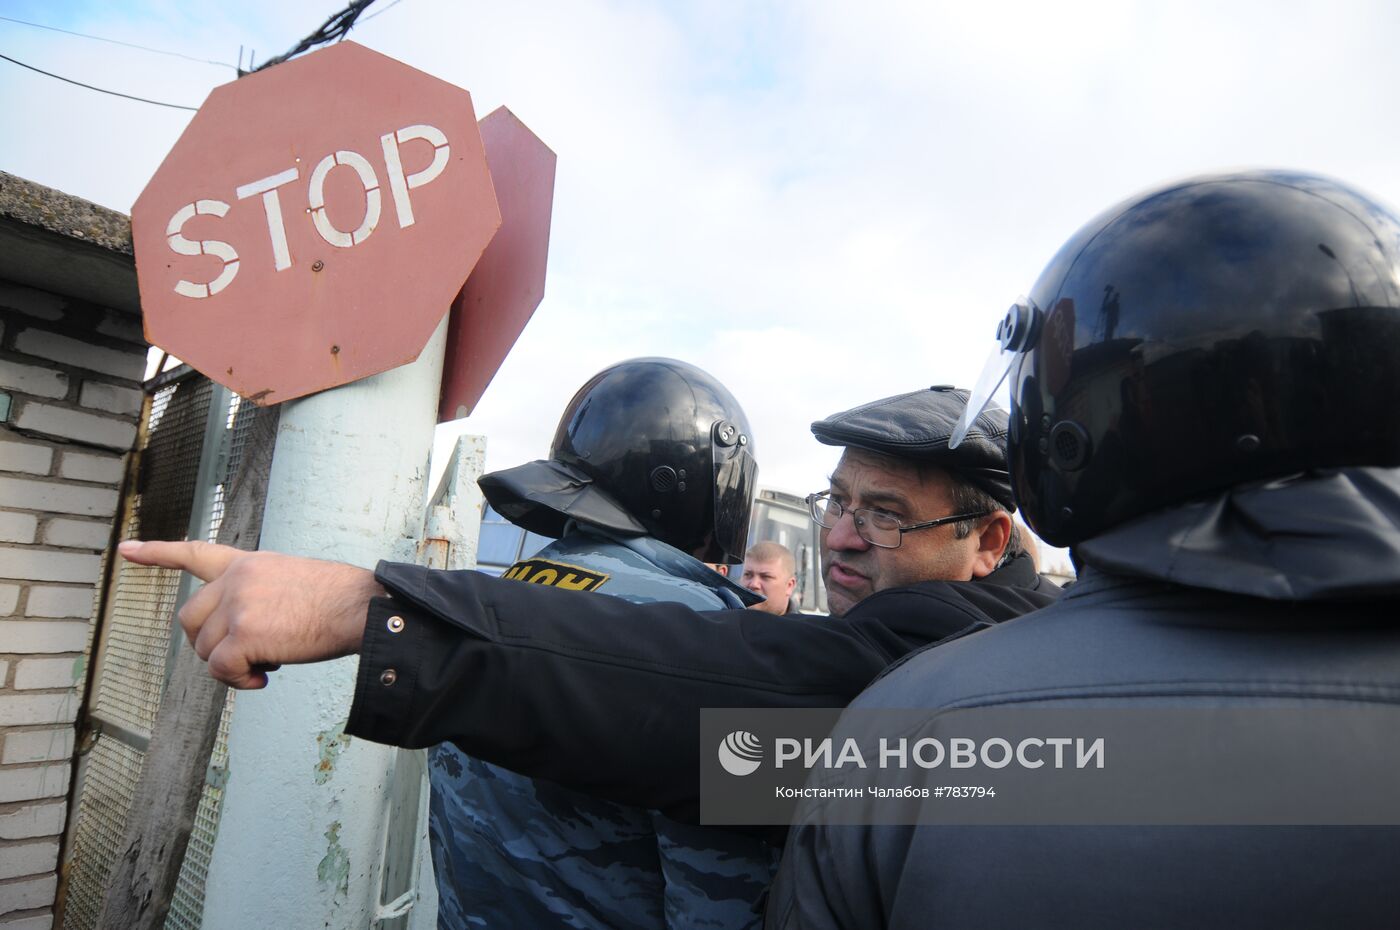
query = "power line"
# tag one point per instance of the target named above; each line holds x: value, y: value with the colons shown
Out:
x: 100, y: 90
x: 144, y: 48
x: 380, y: 11
x: 336, y: 27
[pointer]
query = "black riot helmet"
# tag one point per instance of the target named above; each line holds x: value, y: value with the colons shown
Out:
x: 649, y: 446
x: 1223, y: 330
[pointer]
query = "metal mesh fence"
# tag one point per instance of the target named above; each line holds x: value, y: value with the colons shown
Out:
x: 187, y: 905
x: 170, y: 462
x: 136, y: 645
x: 109, y: 777
x: 137, y: 641
x: 134, y: 652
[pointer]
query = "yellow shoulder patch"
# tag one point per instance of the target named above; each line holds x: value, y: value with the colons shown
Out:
x: 556, y: 575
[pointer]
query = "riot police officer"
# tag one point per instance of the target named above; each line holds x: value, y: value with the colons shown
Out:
x: 651, y: 471
x: 1204, y: 383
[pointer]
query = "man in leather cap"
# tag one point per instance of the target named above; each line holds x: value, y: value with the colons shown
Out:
x: 919, y: 511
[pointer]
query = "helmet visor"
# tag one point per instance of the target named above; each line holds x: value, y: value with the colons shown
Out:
x: 1016, y: 335
x: 736, y: 480
x: 994, y: 372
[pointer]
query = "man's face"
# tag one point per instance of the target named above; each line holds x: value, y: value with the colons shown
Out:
x: 854, y: 569
x: 773, y: 581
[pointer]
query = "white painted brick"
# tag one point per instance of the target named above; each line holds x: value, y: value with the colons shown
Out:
x: 123, y: 326
x: 81, y: 467
x: 74, y: 424
x: 4, y: 669
x: 47, y: 673
x: 28, y: 858
x: 34, y: 494
x: 41, y: 304
x: 24, y: 456
x: 36, y: 922
x: 111, y: 398
x: 45, y: 601
x: 30, y: 822
x: 83, y: 534
x: 48, y: 565
x: 9, y: 599
x: 18, y: 527
x: 22, y: 896
x: 28, y: 709
x: 43, y: 635
x: 31, y: 379
x: 31, y: 784
x: 37, y: 745
x: 128, y: 364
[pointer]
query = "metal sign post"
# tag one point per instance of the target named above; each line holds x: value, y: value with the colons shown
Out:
x: 302, y: 833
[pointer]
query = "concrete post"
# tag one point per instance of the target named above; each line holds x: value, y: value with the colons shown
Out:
x: 305, y: 817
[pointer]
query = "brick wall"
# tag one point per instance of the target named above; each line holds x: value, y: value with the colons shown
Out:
x: 72, y: 371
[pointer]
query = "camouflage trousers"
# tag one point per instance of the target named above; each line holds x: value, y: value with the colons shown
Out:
x: 512, y: 853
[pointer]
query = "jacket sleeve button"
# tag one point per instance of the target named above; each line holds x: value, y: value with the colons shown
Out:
x: 396, y: 624
x: 388, y: 677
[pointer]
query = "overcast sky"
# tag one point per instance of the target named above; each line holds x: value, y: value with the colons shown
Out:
x: 819, y: 203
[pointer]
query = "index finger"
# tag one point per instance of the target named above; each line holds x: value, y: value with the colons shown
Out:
x: 206, y: 561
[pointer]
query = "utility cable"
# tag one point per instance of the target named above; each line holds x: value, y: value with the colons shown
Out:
x: 100, y: 90
x: 381, y: 11
x: 336, y: 27
x: 144, y: 48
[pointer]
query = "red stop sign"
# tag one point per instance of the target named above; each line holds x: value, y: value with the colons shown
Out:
x: 313, y: 223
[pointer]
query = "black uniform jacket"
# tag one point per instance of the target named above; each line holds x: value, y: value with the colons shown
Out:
x: 604, y: 696
x: 1282, y: 593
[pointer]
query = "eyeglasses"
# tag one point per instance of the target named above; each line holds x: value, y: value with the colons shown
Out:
x: 877, y: 528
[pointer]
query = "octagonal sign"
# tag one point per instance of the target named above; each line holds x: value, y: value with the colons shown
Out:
x: 313, y: 223
x: 507, y: 284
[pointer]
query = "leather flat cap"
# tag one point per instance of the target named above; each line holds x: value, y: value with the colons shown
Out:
x: 916, y: 426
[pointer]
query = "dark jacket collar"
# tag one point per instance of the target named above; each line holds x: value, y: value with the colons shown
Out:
x: 1019, y: 572
x: 1323, y: 535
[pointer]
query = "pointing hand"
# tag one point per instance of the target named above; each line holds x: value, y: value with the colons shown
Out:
x: 259, y: 610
